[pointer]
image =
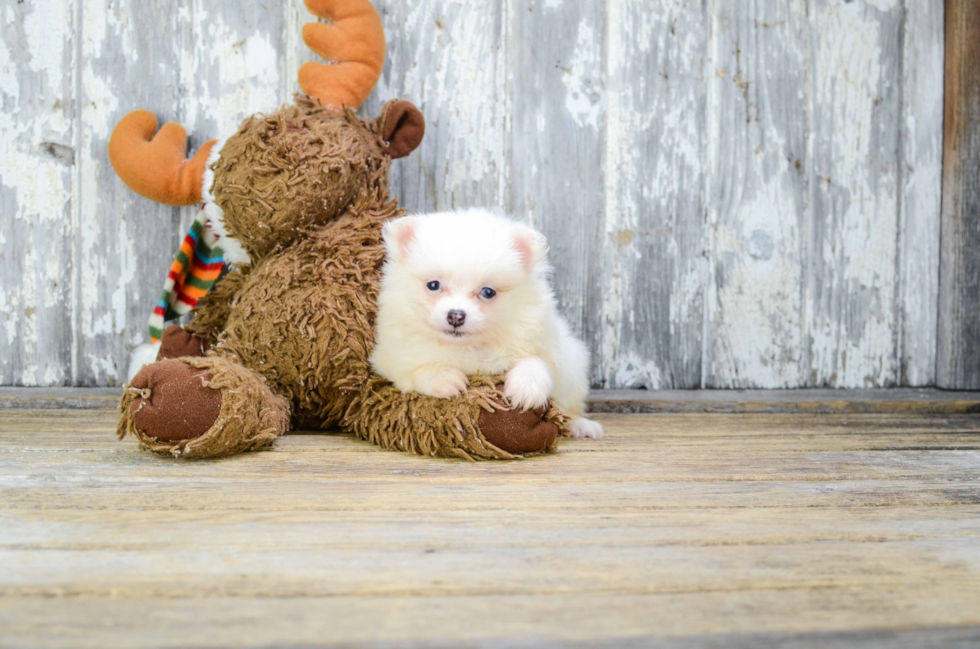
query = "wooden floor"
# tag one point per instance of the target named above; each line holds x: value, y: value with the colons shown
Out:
x: 694, y: 530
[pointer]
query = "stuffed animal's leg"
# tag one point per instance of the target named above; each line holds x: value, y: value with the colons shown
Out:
x: 476, y: 425
x: 176, y: 342
x: 201, y: 407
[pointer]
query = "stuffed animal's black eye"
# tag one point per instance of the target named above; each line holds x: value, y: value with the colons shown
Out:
x: 487, y: 292
x: 433, y: 286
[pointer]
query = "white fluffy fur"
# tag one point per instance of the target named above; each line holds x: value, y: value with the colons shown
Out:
x: 518, y: 331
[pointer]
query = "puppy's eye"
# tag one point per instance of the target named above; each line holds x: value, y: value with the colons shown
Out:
x: 432, y: 286
x: 487, y: 293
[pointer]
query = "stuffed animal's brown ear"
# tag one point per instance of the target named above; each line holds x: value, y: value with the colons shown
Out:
x: 403, y: 128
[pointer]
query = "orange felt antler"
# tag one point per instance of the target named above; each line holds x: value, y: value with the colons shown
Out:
x: 355, y: 43
x: 155, y: 165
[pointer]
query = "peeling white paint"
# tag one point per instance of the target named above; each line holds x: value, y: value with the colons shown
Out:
x: 652, y: 191
x: 616, y: 214
x: 35, y: 190
x: 584, y: 79
x: 854, y: 333
x: 921, y: 189
x: 756, y: 193
x: 232, y: 69
x: 454, y: 70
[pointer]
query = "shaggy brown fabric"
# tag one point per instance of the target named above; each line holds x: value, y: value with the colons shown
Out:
x: 211, y: 313
x: 307, y: 191
x: 250, y: 417
x: 177, y: 342
x: 287, y: 171
x: 452, y: 427
x: 171, y: 402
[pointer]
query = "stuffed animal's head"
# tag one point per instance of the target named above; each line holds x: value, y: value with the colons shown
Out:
x: 301, y: 166
x: 286, y: 171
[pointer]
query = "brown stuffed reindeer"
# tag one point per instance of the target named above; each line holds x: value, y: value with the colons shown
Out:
x: 296, y: 200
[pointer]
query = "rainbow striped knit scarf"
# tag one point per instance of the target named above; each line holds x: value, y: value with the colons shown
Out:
x: 195, y: 269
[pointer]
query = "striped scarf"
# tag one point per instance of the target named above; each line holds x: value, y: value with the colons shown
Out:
x: 195, y: 269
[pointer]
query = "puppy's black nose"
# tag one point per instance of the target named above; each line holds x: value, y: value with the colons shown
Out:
x: 456, y: 317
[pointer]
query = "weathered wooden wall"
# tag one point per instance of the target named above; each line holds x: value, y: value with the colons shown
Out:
x: 737, y: 194
x: 959, y: 295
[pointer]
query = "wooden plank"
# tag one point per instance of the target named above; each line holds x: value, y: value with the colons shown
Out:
x: 76, y: 530
x: 649, y: 300
x: 786, y: 401
x: 958, y: 362
x: 920, y: 400
x: 850, y: 295
x: 233, y: 65
x: 37, y: 170
x: 56, y: 398
x: 556, y: 55
x: 741, y: 436
x: 651, y: 536
x: 154, y: 495
x: 747, y: 449
x: 213, y: 570
x: 449, y: 59
x: 757, y: 194
x: 690, y: 461
x: 920, y: 199
x: 331, y: 472
x: 796, y: 619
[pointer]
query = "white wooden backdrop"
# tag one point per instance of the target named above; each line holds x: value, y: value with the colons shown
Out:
x: 737, y: 194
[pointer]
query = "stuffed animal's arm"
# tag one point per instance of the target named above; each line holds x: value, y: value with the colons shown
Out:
x: 210, y: 316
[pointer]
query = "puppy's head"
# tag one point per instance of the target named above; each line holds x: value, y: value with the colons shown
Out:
x: 463, y: 273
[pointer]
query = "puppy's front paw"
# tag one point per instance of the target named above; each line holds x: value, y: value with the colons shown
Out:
x: 528, y: 384
x: 442, y: 382
x: 582, y: 427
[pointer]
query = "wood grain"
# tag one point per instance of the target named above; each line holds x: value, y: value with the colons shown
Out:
x: 38, y: 166
x: 649, y: 330
x: 757, y: 194
x: 958, y: 362
x: 449, y: 59
x: 558, y: 126
x: 920, y: 199
x: 630, y: 621
x: 850, y: 290
x: 675, y: 530
x: 736, y: 194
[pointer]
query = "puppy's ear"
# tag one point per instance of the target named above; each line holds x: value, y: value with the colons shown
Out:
x: 531, y: 246
x: 399, y: 235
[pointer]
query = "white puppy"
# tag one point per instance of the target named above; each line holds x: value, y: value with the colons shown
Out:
x: 468, y: 292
